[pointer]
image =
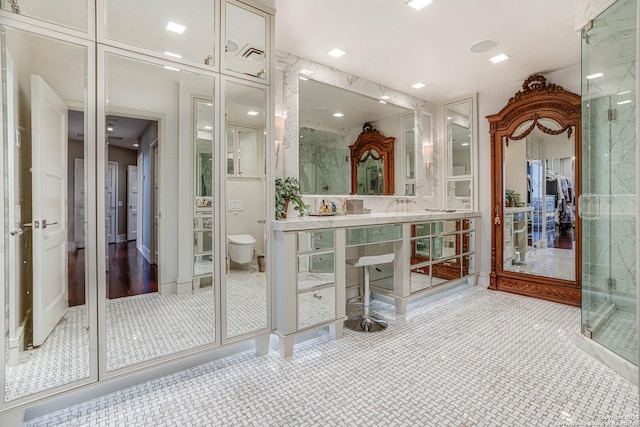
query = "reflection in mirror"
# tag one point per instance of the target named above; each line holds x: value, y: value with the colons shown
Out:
x: 246, y: 41
x: 539, y: 177
x: 67, y: 13
x: 370, y: 173
x: 47, y: 333
x: 409, y: 155
x: 170, y: 29
x: 246, y: 282
x: 203, y: 218
x: 459, y: 194
x: 331, y: 119
x: 329, y: 174
x: 459, y: 138
x: 144, y: 120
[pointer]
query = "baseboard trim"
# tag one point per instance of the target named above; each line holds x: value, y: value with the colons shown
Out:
x: 121, y: 238
x: 146, y: 253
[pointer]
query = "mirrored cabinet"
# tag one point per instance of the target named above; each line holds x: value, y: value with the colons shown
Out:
x: 460, y: 148
x: 441, y: 251
x: 247, y: 35
x: 154, y: 251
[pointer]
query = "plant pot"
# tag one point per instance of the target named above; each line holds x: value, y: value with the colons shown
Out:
x: 286, y: 207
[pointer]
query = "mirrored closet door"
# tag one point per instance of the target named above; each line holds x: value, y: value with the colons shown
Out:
x: 48, y: 323
x: 153, y: 113
x: 245, y: 209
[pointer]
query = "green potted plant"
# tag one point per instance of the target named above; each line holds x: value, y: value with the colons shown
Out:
x: 288, y: 190
x: 512, y: 198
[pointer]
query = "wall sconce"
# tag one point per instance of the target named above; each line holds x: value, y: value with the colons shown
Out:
x: 427, y: 154
x: 279, y: 131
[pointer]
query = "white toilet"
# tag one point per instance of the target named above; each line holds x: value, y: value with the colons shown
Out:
x: 241, y: 248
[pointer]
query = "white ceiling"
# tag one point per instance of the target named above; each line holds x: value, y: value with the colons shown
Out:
x: 390, y: 43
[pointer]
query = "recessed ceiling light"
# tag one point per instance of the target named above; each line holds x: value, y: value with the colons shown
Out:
x: 337, y: 53
x: 418, y: 4
x: 304, y: 71
x: 623, y: 93
x: 209, y: 104
x: 135, y: 145
x: 483, y: 46
x: 464, y: 144
x: 448, y: 117
x: 628, y: 101
x: 418, y: 85
x: 303, y: 78
x: 252, y: 113
x: 176, y: 28
x: 175, y: 55
x: 499, y: 58
x: 594, y: 76
x: 382, y: 102
x: 385, y: 97
x: 208, y: 127
x: 338, y: 115
x: 171, y: 68
x: 110, y: 128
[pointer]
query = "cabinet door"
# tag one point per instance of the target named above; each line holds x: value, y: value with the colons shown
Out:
x: 316, y: 306
x: 316, y: 269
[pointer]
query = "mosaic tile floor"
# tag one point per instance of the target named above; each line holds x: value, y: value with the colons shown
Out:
x: 464, y: 357
x: 618, y: 333
x: 139, y: 328
x: 548, y: 262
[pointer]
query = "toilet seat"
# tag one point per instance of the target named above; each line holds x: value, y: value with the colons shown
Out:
x: 241, y: 239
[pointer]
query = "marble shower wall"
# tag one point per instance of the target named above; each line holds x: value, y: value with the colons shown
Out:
x: 427, y: 186
x: 609, y: 171
x: 327, y: 176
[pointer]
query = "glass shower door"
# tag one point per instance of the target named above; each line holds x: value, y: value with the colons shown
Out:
x: 608, y: 200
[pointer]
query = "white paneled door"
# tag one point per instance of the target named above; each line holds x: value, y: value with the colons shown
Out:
x: 112, y: 201
x: 132, y: 202
x: 49, y: 194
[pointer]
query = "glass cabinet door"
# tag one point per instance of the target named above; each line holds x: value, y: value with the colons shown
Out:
x: 73, y: 14
x: 459, y: 119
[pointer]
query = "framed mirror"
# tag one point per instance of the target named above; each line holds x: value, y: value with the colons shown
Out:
x: 330, y: 120
x: 535, y: 143
x: 372, y: 159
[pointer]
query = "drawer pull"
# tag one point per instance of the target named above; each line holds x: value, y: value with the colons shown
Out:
x: 317, y: 236
x: 376, y: 231
x: 317, y: 259
x: 317, y: 296
x: 419, y: 227
x: 447, y: 264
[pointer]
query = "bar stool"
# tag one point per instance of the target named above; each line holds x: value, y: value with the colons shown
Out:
x: 366, y: 323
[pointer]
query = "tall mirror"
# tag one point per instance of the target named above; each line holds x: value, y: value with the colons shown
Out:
x: 331, y: 120
x: 409, y: 155
x: 47, y: 323
x: 246, y: 280
x: 459, y: 134
x: 536, y: 182
x: 152, y: 113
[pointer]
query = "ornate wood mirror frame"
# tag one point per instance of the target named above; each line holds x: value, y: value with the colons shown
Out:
x: 537, y: 100
x: 372, y: 139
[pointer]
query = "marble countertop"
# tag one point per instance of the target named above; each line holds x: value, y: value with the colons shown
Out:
x: 354, y: 220
x: 518, y: 209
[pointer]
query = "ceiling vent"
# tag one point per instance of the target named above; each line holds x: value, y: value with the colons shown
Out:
x: 253, y: 53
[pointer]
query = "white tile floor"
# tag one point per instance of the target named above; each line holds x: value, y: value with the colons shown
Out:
x: 548, y: 262
x: 465, y: 357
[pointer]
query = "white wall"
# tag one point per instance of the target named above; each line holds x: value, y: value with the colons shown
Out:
x: 490, y: 102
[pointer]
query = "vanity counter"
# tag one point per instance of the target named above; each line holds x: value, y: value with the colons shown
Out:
x: 355, y: 220
x: 309, y: 273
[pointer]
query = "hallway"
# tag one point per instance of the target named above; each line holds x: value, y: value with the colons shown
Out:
x: 465, y: 357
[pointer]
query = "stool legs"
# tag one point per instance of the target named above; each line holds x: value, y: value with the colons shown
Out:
x: 366, y: 323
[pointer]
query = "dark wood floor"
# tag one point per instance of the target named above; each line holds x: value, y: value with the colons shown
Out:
x: 563, y: 240
x: 129, y: 273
